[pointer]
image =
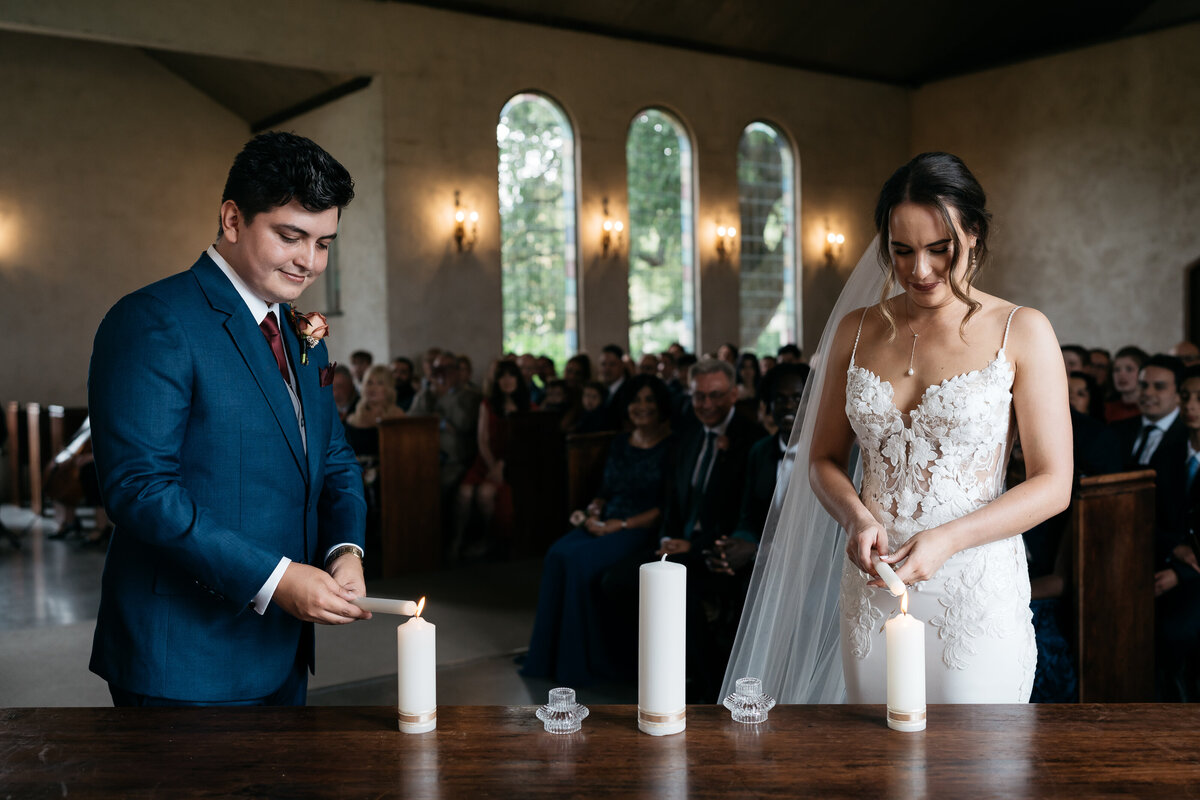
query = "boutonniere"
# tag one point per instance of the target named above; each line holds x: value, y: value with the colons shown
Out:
x: 311, y: 328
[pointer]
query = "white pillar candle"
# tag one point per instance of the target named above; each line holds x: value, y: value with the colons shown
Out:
x: 416, y: 673
x: 386, y: 605
x: 662, y: 647
x: 905, y: 670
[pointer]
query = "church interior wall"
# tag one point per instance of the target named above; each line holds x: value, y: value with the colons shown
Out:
x: 94, y: 123
x: 1091, y: 160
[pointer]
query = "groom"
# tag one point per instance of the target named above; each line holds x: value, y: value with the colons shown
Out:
x: 238, y: 506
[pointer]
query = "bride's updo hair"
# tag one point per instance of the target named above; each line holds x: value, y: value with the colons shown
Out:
x: 941, y: 181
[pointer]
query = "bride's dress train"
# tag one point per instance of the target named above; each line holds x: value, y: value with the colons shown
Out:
x: 947, y: 461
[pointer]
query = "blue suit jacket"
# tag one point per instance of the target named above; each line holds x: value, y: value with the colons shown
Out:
x: 205, y: 476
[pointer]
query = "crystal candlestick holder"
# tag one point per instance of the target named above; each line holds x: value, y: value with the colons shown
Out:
x: 748, y: 703
x: 562, y: 714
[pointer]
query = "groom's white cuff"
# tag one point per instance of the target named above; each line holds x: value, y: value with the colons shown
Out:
x: 263, y: 598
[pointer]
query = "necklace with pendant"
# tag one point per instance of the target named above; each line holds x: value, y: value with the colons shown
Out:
x: 908, y: 324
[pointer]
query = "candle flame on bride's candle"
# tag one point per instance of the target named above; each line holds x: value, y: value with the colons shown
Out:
x: 421, y: 607
x: 903, y: 603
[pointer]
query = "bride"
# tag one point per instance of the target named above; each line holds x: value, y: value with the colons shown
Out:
x: 930, y: 383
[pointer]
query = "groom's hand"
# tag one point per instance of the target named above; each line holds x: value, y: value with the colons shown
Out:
x: 313, y: 595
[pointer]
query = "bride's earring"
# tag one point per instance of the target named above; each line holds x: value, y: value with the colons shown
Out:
x: 974, y: 261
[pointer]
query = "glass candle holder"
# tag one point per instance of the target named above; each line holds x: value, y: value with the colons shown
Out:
x: 748, y: 704
x: 562, y: 714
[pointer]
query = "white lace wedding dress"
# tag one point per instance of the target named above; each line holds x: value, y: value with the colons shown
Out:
x: 947, y: 461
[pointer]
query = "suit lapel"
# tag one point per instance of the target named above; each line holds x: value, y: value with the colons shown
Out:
x: 253, y: 347
x: 307, y: 385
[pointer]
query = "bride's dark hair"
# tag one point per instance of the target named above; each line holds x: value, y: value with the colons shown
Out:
x: 941, y: 181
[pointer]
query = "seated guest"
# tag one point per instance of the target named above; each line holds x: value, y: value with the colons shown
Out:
x: 593, y: 416
x: 1083, y: 394
x: 781, y: 390
x: 612, y: 373
x: 1141, y: 438
x: 1123, y: 403
x: 564, y: 401
x: 767, y: 363
x: 578, y: 370
x: 402, y: 373
x: 648, y: 365
x: 427, y: 362
x: 728, y: 352
x: 467, y: 370
x: 789, y: 354
x: 345, y: 396
x: 484, y: 488
x: 527, y: 365
x: 1177, y: 583
x: 1100, y: 366
x: 546, y: 371
x: 1075, y: 357
x: 703, y: 500
x: 360, y: 362
x: 1187, y: 352
x: 571, y: 641
x: 457, y: 407
x: 378, y: 402
x: 748, y: 376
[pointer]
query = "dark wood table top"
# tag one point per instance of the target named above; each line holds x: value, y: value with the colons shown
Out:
x: 493, y: 751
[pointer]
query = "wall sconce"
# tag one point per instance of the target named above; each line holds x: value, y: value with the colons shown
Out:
x: 609, y: 228
x: 466, y: 226
x: 833, y: 246
x: 725, y: 239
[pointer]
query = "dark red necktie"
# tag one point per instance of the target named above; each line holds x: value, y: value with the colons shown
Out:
x: 270, y: 329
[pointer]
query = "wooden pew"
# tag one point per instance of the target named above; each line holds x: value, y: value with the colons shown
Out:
x: 586, y: 455
x: 410, y: 495
x: 1111, y: 586
x: 33, y: 427
x: 12, y: 420
x: 535, y: 468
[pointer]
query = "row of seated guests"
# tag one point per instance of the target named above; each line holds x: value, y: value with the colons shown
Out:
x: 697, y: 493
x: 1155, y: 437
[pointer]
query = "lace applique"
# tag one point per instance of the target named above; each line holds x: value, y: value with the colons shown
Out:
x: 865, y: 617
x: 977, y: 599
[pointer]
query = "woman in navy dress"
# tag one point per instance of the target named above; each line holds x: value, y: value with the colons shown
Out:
x: 569, y: 641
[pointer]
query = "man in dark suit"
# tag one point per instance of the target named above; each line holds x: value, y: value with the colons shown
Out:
x: 1177, y: 581
x: 703, y: 499
x: 1142, y: 438
x: 238, y: 506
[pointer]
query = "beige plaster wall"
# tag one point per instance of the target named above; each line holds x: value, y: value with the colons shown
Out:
x: 95, y: 200
x: 443, y: 79
x: 351, y: 129
x: 1091, y: 161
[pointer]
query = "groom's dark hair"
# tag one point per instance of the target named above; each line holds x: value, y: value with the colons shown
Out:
x: 275, y: 168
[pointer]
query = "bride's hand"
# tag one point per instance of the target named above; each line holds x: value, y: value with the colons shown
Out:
x: 868, y: 535
x: 923, y: 555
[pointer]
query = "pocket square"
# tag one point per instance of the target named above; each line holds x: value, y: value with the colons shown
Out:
x: 327, y: 375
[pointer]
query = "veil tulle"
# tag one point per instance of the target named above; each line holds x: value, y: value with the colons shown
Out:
x: 789, y: 632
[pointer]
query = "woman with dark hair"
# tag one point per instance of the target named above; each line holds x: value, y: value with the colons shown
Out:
x: 748, y: 376
x: 925, y: 384
x: 569, y: 641
x: 578, y: 370
x: 728, y: 352
x: 1126, y: 366
x: 1084, y: 395
x: 484, y: 487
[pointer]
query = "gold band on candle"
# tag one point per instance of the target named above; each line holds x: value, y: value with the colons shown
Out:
x: 416, y: 719
x: 661, y: 719
x: 905, y: 716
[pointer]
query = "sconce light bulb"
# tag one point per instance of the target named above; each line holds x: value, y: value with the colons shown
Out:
x: 459, y: 216
x: 732, y: 231
x: 474, y: 216
x: 608, y: 226
x: 619, y: 226
x: 831, y: 238
x: 840, y: 238
x: 721, y: 231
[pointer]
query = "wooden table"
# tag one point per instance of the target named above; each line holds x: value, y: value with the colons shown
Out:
x: 493, y: 751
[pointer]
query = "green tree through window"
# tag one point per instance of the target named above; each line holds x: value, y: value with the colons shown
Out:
x: 537, y: 228
x: 767, y: 283
x: 658, y: 158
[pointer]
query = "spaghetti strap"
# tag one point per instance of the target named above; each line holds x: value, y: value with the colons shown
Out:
x: 1004, y: 343
x: 860, y: 324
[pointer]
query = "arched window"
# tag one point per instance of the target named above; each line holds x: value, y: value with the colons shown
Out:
x: 767, y: 202
x: 662, y: 296
x: 537, y: 228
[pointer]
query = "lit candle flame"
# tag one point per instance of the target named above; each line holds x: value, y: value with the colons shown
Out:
x: 421, y: 607
x: 903, y: 602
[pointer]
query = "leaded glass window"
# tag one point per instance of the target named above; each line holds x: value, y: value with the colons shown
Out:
x: 767, y: 204
x: 538, y: 261
x: 662, y: 295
